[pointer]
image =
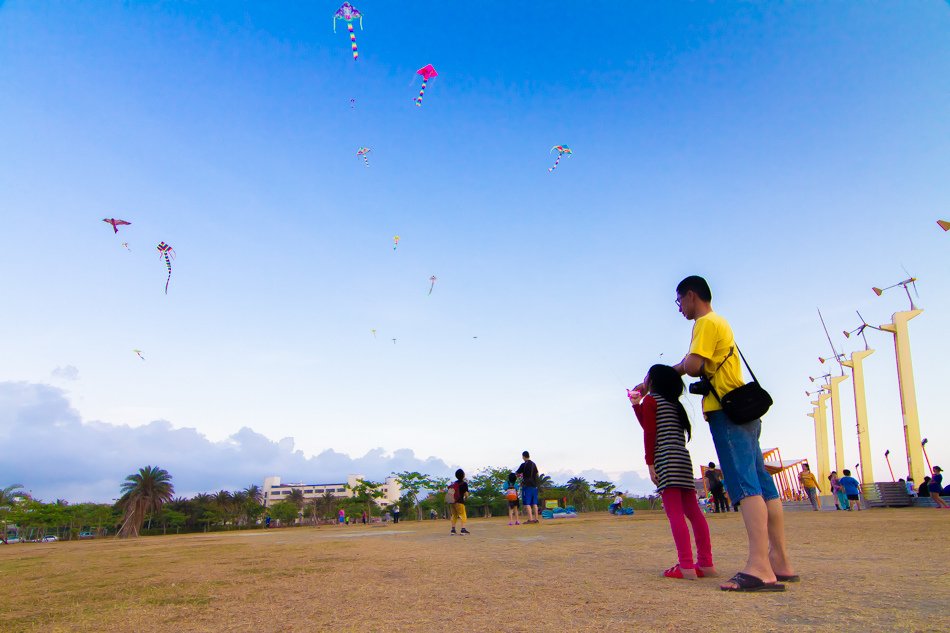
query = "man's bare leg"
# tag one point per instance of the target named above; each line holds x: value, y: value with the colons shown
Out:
x: 755, y: 516
x: 778, y: 556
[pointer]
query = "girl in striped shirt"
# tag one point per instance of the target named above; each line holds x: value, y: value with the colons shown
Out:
x: 665, y: 431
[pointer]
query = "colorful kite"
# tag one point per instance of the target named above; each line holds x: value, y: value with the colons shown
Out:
x: 395, y: 241
x: 166, y: 251
x: 427, y: 72
x: 348, y: 13
x: 116, y: 223
x: 562, y: 150
x: 139, y: 352
x: 363, y: 151
x: 432, y: 281
x: 944, y: 225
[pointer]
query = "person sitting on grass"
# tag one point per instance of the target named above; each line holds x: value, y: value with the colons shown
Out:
x: 617, y: 506
x: 512, y: 493
x: 936, y: 488
x: 458, y: 491
x: 665, y: 431
x: 851, y: 488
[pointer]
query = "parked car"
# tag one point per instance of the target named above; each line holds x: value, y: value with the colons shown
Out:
x: 49, y: 538
x: 13, y: 539
x: 85, y: 535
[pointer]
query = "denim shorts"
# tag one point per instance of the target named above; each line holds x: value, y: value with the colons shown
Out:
x: 740, y: 457
x: 529, y: 496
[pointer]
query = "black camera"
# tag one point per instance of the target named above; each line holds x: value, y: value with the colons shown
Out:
x: 701, y: 387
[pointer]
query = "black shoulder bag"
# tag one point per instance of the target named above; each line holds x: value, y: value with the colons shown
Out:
x: 746, y: 403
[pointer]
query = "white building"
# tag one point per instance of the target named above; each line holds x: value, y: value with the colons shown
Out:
x: 275, y: 491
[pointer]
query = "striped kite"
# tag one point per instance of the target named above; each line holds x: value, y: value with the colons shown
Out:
x: 347, y: 12
x: 166, y: 251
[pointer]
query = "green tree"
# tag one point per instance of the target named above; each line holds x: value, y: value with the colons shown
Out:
x: 327, y: 499
x: 486, y: 487
x: 545, y: 483
x: 285, y: 512
x: 143, y: 493
x: 413, y: 484
x: 604, y: 488
x: 366, y: 493
x: 437, y: 487
x: 8, y: 498
x: 296, y: 498
x: 578, y: 491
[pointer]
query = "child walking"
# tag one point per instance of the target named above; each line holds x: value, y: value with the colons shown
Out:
x: 512, y: 494
x: 665, y: 429
x: 455, y: 496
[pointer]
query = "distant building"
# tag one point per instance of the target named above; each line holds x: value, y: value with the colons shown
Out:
x: 275, y: 491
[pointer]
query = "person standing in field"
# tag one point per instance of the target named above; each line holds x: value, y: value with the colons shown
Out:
x: 528, y: 471
x: 851, y: 488
x: 810, y: 483
x: 666, y: 429
x: 837, y: 490
x: 712, y: 354
x: 716, y: 488
x: 511, y: 495
x: 455, y: 496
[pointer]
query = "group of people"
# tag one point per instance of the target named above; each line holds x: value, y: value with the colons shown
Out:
x: 666, y: 429
x: 521, y: 488
x: 930, y: 487
x: 846, y: 489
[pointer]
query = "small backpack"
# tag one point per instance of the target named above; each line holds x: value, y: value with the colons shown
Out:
x: 450, y: 493
x: 511, y: 494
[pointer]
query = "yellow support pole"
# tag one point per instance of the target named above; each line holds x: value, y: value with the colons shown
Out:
x: 905, y: 379
x: 821, y: 439
x: 856, y: 363
x: 835, y: 392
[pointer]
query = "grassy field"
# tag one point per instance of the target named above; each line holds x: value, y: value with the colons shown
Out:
x: 881, y: 570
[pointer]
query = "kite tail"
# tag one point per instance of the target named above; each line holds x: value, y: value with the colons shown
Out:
x: 365, y: 160
x: 349, y: 26
x: 168, y: 265
x: 556, y: 161
x: 422, y: 93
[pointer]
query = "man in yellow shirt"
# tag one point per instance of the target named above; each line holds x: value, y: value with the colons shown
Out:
x: 810, y: 484
x: 713, y: 354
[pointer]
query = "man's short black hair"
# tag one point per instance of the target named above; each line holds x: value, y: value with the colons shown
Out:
x: 847, y: 473
x: 698, y: 285
x: 712, y: 465
x: 526, y: 455
x: 460, y: 474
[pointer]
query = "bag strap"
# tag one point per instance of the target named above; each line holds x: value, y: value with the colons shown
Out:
x: 742, y: 356
x: 712, y: 389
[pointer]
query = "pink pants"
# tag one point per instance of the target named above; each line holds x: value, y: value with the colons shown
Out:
x: 681, y: 504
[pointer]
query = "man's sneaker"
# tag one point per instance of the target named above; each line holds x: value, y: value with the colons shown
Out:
x: 452, y: 532
x: 464, y: 531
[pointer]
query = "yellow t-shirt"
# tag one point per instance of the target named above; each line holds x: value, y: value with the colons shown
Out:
x: 808, y: 479
x: 713, y: 340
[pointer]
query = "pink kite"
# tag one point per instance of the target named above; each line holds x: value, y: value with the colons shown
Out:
x: 427, y: 72
x: 116, y: 223
x: 347, y: 12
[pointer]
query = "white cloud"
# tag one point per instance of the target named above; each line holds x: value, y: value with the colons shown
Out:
x: 69, y: 372
x: 626, y: 481
x: 50, y: 450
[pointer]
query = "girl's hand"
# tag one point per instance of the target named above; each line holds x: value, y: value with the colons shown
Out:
x: 653, y: 477
x: 635, y: 396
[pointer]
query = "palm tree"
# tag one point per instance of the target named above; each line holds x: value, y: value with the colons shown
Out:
x: 544, y: 483
x: 327, y: 500
x: 143, y: 493
x: 224, y: 502
x: 295, y: 497
x: 254, y: 493
x: 579, y: 490
x: 8, y: 497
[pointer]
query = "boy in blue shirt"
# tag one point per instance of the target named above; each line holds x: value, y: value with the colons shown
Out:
x: 851, y: 488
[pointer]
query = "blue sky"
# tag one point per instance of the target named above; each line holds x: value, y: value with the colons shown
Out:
x: 795, y: 155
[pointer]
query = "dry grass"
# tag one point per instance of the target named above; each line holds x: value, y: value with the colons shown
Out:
x: 883, y: 570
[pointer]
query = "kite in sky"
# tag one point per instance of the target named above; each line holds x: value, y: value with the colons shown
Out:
x: 139, y: 353
x: 126, y: 245
x: 352, y: 104
x: 116, y: 223
x: 363, y: 151
x: 427, y: 72
x: 432, y: 281
x: 944, y: 225
x: 374, y: 333
x: 166, y: 251
x: 562, y: 150
x: 395, y: 241
x: 348, y: 13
